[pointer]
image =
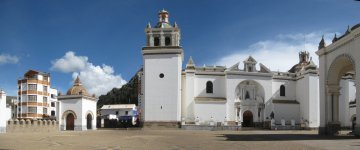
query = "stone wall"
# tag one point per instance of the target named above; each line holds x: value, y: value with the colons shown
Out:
x: 21, y: 126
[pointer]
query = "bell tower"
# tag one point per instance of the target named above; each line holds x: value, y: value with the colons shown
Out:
x: 162, y: 59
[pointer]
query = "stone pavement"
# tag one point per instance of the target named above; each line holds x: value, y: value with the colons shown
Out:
x: 176, y: 140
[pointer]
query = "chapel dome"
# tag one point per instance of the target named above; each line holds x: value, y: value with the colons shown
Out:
x: 77, y: 88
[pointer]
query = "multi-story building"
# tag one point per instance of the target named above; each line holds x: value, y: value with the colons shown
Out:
x: 37, y: 100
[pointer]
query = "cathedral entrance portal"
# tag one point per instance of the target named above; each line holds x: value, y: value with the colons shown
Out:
x: 247, y: 119
x: 89, y: 121
x: 70, y: 121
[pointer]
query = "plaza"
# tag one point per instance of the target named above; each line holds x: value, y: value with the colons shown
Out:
x: 178, y: 139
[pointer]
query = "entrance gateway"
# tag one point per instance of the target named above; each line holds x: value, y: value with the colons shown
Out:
x: 339, y: 58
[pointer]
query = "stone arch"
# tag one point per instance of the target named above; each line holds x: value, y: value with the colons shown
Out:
x: 67, y: 112
x: 89, y: 112
x: 339, y: 66
x: 69, y: 117
x: 260, y: 90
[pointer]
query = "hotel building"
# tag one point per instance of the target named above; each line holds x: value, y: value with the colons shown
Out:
x: 37, y: 100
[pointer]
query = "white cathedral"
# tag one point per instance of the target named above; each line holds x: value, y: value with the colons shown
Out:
x: 245, y: 94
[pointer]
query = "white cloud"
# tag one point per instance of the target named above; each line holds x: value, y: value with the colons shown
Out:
x: 69, y: 63
x: 8, y: 59
x: 96, y: 79
x: 280, y: 53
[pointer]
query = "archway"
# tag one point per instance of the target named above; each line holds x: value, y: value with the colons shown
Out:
x: 247, y: 119
x: 70, y: 119
x: 249, y: 95
x: 340, y: 66
x: 89, y: 121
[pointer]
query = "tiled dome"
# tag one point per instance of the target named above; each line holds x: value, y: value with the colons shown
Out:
x: 77, y: 88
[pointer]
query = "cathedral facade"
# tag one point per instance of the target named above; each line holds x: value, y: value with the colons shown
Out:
x: 245, y: 94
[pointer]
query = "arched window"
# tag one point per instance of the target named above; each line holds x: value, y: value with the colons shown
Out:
x: 282, y: 90
x: 209, y: 87
x: 156, y: 41
x: 167, y: 41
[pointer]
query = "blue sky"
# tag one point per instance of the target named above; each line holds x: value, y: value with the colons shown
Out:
x: 107, y: 36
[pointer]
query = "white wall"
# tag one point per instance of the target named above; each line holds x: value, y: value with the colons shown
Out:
x: 3, y: 112
x: 286, y: 112
x: 207, y: 110
x: 347, y: 94
x: 307, y: 93
x: 162, y: 95
x: 88, y: 107
x: 219, y: 86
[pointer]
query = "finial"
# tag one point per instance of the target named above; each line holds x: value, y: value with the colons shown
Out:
x: 175, y: 25
x: 191, y: 60
x: 148, y: 25
x: 322, y: 43
x: 348, y: 30
x: 77, y: 81
x: 335, y: 38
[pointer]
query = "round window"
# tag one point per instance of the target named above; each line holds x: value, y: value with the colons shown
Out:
x: 161, y: 75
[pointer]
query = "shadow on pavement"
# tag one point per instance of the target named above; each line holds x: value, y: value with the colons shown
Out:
x: 282, y: 137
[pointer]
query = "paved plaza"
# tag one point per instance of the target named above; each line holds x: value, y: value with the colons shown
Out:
x: 177, y: 139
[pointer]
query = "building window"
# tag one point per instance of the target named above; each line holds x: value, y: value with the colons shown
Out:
x: 117, y: 112
x: 167, y: 41
x: 45, y: 99
x: 52, y: 113
x: 156, y: 41
x: 45, y: 89
x: 282, y: 90
x: 44, y: 110
x: 126, y: 112
x: 32, y: 110
x: 46, y: 78
x: 32, y: 87
x: 209, y: 87
x: 53, y: 96
x: 32, y: 98
x: 52, y: 104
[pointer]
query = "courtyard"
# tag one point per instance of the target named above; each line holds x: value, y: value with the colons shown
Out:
x: 177, y: 139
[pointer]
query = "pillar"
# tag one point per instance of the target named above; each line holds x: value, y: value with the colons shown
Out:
x: 357, y: 126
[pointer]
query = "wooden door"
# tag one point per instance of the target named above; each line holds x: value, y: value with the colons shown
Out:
x: 70, y: 121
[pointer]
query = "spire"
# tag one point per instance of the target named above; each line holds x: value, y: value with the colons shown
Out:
x: 335, y: 38
x: 191, y: 61
x: 190, y: 64
x: 148, y: 25
x: 322, y: 43
x: 77, y: 81
x: 348, y: 30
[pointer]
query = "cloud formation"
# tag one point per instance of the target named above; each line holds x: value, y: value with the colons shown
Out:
x: 8, y: 59
x: 96, y: 79
x: 280, y: 53
x: 69, y: 63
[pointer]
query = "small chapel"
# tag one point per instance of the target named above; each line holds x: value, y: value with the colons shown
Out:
x: 77, y: 109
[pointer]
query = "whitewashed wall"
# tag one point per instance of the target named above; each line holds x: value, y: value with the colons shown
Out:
x: 3, y: 112
x: 162, y: 95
